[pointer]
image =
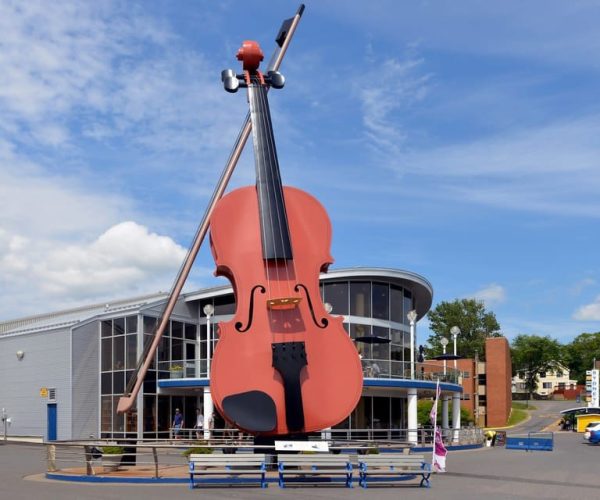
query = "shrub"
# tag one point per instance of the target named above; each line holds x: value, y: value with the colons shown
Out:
x: 198, y: 450
x: 112, y: 450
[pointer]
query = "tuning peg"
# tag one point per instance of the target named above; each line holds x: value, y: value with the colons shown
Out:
x: 276, y: 79
x: 230, y: 80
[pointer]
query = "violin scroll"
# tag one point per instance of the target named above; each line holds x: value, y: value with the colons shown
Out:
x: 251, y: 55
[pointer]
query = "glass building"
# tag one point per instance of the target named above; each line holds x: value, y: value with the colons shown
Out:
x: 373, y: 302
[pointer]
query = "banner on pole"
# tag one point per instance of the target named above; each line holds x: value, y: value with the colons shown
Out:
x: 438, y: 459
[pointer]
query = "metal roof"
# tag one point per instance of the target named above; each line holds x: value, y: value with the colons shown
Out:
x: 68, y: 317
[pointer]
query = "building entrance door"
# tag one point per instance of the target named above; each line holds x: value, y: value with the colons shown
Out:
x: 52, y: 424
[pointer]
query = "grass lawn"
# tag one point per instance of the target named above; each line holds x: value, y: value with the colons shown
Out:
x: 519, y: 412
x: 522, y: 405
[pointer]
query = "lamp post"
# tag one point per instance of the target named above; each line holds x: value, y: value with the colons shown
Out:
x: 444, y: 342
x: 412, y: 318
x: 455, y: 332
x: 208, y: 310
x: 208, y: 402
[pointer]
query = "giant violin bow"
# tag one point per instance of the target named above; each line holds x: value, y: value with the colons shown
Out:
x: 126, y: 402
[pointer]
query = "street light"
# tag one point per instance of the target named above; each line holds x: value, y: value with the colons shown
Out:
x: 455, y: 332
x: 207, y: 396
x: 412, y: 318
x: 208, y: 310
x: 444, y: 341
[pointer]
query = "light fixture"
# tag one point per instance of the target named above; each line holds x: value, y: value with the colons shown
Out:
x: 20, y: 355
x: 208, y: 310
x: 328, y: 307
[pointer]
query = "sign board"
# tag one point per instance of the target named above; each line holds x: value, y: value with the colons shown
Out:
x: 302, y: 446
x: 593, y: 387
x: 44, y: 392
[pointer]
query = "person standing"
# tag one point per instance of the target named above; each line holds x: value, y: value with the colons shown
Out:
x: 177, y: 423
x: 199, y: 424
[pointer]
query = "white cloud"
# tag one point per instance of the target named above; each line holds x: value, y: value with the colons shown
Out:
x: 105, y: 72
x: 550, y: 169
x: 490, y: 294
x: 119, y: 259
x: 399, y: 85
x: 589, y: 312
x: 124, y: 260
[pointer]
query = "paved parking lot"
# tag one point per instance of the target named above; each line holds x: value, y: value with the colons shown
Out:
x: 571, y: 471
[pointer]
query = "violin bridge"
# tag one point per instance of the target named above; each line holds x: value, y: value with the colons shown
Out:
x: 283, y: 303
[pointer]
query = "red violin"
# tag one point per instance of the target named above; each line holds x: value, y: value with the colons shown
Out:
x: 283, y: 365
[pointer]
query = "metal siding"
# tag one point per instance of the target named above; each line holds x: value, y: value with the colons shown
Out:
x: 45, y: 364
x: 85, y: 381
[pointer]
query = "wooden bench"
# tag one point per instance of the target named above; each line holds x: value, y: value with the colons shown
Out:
x: 230, y: 467
x: 388, y: 467
x: 313, y: 468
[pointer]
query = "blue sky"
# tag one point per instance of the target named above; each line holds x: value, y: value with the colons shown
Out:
x: 458, y: 140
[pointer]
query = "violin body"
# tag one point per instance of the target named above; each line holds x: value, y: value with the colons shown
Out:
x: 332, y: 379
x: 282, y: 365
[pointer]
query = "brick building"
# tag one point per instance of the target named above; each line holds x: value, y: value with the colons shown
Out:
x: 486, y: 384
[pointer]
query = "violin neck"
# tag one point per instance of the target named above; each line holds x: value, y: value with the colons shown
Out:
x: 273, y: 218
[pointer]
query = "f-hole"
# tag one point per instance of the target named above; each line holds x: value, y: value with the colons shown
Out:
x: 239, y: 326
x: 323, y: 322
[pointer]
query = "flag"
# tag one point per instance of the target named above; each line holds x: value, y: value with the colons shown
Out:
x: 438, y: 459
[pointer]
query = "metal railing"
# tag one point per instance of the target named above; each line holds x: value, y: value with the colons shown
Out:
x: 167, y: 458
x: 372, y: 368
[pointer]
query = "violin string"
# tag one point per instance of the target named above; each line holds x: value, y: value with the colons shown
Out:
x: 256, y: 130
x: 278, y: 192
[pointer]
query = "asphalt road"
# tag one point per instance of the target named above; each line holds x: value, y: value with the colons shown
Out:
x: 570, y: 471
x: 544, y: 414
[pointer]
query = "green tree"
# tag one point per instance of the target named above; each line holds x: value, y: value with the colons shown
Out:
x: 475, y: 323
x: 533, y: 355
x: 580, y: 354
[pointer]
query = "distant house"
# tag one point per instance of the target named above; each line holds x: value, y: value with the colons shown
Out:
x: 548, y: 382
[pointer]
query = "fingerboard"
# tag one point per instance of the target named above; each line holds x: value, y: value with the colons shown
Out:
x: 275, y: 233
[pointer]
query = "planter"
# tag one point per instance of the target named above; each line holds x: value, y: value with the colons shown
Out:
x: 111, y: 463
x: 176, y: 373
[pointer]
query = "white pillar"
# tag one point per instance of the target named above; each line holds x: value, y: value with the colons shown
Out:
x: 208, y: 411
x: 412, y: 416
x: 456, y: 416
x: 445, y: 426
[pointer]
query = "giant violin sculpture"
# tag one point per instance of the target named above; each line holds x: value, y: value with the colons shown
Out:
x: 283, y: 365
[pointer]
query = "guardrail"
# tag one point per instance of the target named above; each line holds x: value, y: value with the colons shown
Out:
x: 533, y: 441
x: 159, y: 457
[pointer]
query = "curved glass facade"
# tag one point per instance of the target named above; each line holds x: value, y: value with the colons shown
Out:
x: 374, y: 311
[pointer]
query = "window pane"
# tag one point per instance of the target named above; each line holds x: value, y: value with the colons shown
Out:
x: 149, y: 413
x: 106, y: 328
x: 131, y: 351
x: 224, y: 305
x: 131, y: 324
x: 118, y: 382
x: 360, y: 299
x: 177, y: 329
x: 336, y: 294
x: 149, y: 324
x: 190, y: 331
x: 381, y: 301
x: 408, y: 305
x: 106, y: 414
x: 396, y: 296
x: 176, y: 350
x: 358, y: 330
x: 106, y: 383
x: 107, y: 354
x: 119, y: 326
x: 119, y: 353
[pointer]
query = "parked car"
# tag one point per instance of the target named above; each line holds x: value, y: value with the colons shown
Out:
x: 595, y: 437
x: 592, y: 427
